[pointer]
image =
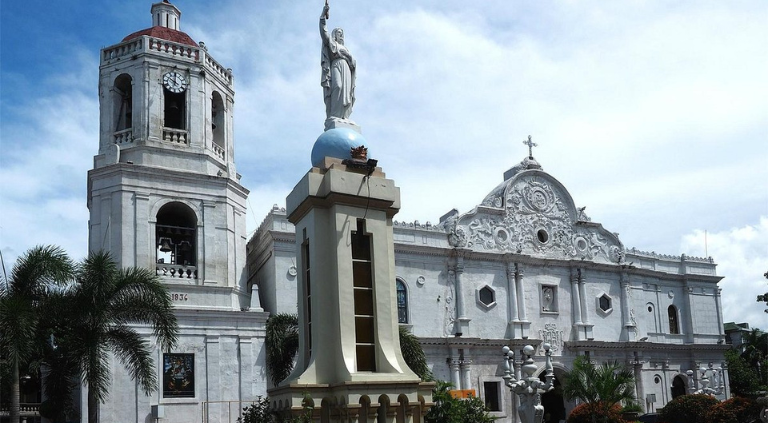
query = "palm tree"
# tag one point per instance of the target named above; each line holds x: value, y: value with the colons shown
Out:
x: 602, y: 386
x: 104, y: 302
x: 20, y: 307
x: 282, y: 342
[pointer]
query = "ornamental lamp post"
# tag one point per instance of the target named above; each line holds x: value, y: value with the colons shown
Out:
x: 529, y: 388
x: 709, y: 376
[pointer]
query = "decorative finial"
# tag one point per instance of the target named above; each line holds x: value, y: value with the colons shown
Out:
x: 530, y: 145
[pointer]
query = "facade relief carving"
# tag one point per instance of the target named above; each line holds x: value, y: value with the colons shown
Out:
x: 552, y: 336
x: 537, y: 218
x: 449, y: 319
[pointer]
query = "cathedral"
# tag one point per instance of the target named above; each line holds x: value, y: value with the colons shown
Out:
x: 526, y: 266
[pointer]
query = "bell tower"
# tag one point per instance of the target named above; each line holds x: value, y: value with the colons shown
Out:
x: 164, y: 192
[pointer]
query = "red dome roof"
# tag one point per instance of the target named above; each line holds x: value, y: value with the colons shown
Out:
x: 164, y: 33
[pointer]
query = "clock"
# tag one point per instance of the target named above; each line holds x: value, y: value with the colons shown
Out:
x: 174, y: 82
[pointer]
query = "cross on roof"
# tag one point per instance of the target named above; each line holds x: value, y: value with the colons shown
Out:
x: 530, y: 145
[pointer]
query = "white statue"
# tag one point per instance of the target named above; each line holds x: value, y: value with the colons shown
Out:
x: 338, y: 79
x: 549, y: 296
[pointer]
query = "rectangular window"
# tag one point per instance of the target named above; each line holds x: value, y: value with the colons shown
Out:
x: 491, y: 395
x: 307, y: 290
x: 362, y: 282
x: 178, y: 375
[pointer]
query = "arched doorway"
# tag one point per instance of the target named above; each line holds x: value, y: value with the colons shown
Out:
x: 553, y: 401
x: 678, y: 386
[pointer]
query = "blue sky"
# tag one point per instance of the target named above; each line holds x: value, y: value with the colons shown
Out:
x: 653, y: 114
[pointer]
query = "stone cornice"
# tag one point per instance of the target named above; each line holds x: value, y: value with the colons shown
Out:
x: 642, y: 346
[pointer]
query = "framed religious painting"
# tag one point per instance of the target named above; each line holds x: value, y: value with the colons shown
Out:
x: 178, y: 375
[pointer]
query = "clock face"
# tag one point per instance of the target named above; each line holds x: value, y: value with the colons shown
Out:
x: 174, y: 82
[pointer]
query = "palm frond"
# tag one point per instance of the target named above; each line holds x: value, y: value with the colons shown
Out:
x: 38, y: 267
x: 134, y: 353
x: 282, y: 343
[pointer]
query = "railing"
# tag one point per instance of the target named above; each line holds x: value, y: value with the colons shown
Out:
x: 124, y: 137
x: 176, y: 271
x: 124, y: 49
x: 146, y: 44
x: 231, y: 416
x: 28, y: 409
x: 218, y: 150
x: 176, y: 136
x: 175, y: 49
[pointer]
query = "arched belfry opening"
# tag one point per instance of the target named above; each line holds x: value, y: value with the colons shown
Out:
x: 217, y: 124
x: 175, y: 109
x: 175, y: 240
x: 122, y: 98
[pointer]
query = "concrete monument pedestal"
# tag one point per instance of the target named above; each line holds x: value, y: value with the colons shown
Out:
x: 350, y: 367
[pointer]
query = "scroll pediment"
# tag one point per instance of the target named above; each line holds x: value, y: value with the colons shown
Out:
x: 532, y: 213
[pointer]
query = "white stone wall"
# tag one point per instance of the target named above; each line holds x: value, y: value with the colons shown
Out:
x: 229, y: 359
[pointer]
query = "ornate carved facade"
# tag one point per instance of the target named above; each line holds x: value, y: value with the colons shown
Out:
x: 526, y: 266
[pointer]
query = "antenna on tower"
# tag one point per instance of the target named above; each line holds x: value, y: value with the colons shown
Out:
x: 706, y: 253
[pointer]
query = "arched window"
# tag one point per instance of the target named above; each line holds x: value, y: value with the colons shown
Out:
x: 218, y: 124
x: 402, y: 302
x: 674, y: 325
x: 175, y: 109
x: 175, y: 240
x: 123, y: 102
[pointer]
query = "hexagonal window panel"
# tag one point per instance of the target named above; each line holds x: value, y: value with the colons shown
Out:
x: 605, y: 304
x: 486, y: 297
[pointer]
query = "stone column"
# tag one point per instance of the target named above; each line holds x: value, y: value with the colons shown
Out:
x: 625, y: 300
x: 719, y: 308
x: 519, y: 273
x: 460, y: 313
x: 466, y: 364
x: 524, y: 324
x: 576, y: 304
x: 512, y: 293
x: 455, y: 364
x: 689, y: 324
x: 584, y: 311
x: 145, y: 239
x: 583, y: 298
x: 637, y: 367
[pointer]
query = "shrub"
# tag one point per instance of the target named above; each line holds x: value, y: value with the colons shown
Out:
x: 688, y: 409
x: 734, y: 410
x: 447, y: 409
x: 593, y: 413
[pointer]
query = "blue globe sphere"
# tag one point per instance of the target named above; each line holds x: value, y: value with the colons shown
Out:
x: 336, y: 143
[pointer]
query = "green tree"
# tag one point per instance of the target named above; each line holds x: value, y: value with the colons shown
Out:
x: 282, y: 342
x: 763, y: 298
x: 102, y: 305
x: 603, y: 386
x: 32, y: 277
x: 742, y: 378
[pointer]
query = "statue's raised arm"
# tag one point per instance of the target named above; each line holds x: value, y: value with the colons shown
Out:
x: 338, y: 72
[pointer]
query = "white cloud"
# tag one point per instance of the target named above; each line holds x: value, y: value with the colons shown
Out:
x: 742, y: 256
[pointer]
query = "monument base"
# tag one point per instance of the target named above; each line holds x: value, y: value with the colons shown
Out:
x: 334, y: 122
x: 359, y: 402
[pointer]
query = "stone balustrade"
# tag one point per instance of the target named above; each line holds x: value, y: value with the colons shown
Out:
x: 123, y: 137
x: 176, y: 271
x: 176, y: 136
x: 31, y: 409
x: 219, y: 150
x: 146, y: 44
